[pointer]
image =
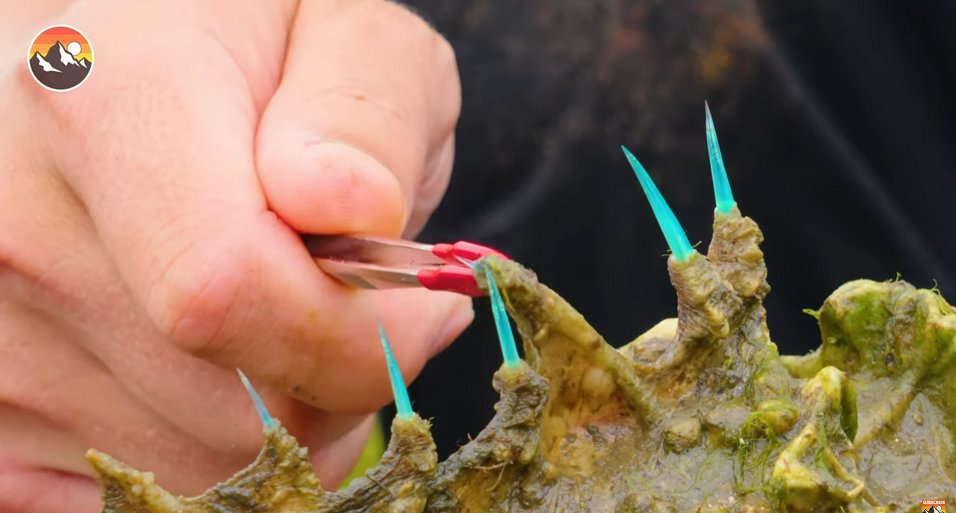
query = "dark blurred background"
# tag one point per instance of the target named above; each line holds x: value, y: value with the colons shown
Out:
x: 836, y: 120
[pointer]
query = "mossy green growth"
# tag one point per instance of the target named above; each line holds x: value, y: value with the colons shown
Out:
x: 700, y: 413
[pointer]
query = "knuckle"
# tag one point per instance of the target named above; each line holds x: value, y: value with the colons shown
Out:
x: 447, y: 63
x: 393, y: 112
x: 49, y: 106
x: 407, y: 27
x: 398, y: 13
x: 194, y: 297
x: 452, y: 83
x: 445, y: 54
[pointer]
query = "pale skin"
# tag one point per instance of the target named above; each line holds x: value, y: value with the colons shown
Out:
x: 149, y: 234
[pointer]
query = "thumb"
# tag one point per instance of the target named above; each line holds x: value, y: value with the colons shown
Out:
x: 356, y: 140
x: 358, y: 136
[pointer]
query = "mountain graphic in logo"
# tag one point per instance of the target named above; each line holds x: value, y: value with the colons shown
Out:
x: 58, y: 66
x: 934, y: 506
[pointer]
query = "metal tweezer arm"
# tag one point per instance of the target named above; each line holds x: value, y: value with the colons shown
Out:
x: 382, y: 263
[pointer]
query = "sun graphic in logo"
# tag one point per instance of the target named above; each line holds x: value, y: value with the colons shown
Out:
x: 60, y: 58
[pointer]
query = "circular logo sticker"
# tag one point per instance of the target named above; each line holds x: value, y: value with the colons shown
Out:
x: 60, y: 58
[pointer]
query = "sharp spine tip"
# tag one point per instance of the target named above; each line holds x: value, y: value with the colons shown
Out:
x: 403, y: 405
x: 260, y: 406
x: 673, y: 232
x: 723, y: 196
x: 506, y: 337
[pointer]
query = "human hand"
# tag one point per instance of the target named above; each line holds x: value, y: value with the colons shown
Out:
x: 148, y: 237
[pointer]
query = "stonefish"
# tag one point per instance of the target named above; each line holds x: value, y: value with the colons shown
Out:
x: 698, y: 414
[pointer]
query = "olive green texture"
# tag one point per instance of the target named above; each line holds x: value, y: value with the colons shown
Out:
x: 699, y: 414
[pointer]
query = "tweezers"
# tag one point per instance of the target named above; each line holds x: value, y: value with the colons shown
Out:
x: 382, y: 263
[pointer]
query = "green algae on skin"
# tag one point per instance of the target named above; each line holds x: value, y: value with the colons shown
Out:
x: 282, y: 480
x: 700, y: 412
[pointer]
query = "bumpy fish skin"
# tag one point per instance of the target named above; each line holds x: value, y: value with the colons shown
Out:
x: 700, y: 413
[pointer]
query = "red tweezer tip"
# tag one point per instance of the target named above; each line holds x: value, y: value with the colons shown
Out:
x: 455, y: 277
x: 464, y: 250
x: 451, y: 279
